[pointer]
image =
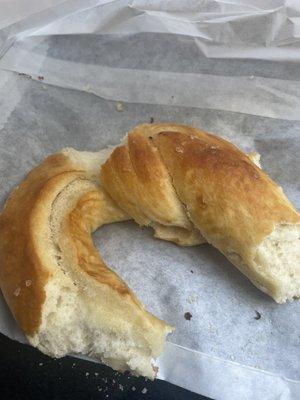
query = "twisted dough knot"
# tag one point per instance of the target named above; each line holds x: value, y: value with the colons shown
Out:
x: 191, y: 186
x: 137, y: 178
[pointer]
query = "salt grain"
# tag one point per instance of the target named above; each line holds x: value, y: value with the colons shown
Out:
x: 41, y: 364
x: 17, y: 291
x: 121, y: 387
x: 144, y: 391
x: 87, y: 374
x: 178, y: 149
x: 133, y: 388
x: 28, y: 282
x: 96, y: 374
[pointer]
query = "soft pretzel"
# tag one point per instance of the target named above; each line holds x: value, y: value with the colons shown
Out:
x: 188, y: 185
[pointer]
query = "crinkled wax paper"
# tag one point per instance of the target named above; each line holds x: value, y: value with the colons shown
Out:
x: 228, y: 67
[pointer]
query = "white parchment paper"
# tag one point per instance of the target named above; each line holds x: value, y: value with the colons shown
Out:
x: 155, y: 57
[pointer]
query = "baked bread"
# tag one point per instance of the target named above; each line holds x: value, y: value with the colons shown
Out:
x: 60, y: 291
x: 190, y: 185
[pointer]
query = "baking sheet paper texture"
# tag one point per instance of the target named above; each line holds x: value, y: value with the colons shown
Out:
x: 152, y: 56
x: 106, y: 47
x: 265, y: 29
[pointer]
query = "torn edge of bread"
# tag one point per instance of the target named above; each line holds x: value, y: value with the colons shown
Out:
x: 64, y: 297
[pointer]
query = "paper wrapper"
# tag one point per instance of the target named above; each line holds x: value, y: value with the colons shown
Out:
x: 232, y: 69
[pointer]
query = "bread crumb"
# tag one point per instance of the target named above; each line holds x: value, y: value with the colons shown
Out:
x: 258, y: 315
x: 121, y: 387
x: 188, y: 316
x: 25, y: 75
x: 96, y: 374
x: 17, y: 291
x: 28, y: 282
x: 119, y: 107
x: 87, y: 88
x: 155, y: 369
x: 144, y: 391
x: 192, y: 298
x: 41, y: 364
x: 87, y: 374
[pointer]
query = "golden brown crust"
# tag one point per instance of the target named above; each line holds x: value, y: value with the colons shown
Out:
x: 22, y: 275
x: 233, y: 202
x: 172, y: 177
x: 227, y: 196
x: 180, y: 236
x: 137, y: 179
x: 24, y: 250
x: 94, y: 208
